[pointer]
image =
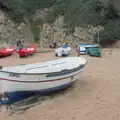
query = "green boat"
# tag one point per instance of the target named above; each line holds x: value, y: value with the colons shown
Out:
x: 94, y: 51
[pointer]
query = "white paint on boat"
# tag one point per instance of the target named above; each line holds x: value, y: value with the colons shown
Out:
x: 91, y: 45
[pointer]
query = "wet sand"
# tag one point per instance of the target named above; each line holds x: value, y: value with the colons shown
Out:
x: 94, y: 96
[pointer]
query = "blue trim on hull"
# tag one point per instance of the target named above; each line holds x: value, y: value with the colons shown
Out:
x: 81, y: 50
x: 17, y: 96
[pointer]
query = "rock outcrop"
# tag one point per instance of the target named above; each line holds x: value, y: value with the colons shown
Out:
x: 56, y: 32
x: 10, y: 31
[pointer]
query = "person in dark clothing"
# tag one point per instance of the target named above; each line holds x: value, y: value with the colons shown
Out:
x: 20, y: 44
x: 54, y: 44
x: 50, y: 46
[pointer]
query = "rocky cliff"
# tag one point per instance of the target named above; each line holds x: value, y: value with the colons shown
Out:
x: 10, y: 31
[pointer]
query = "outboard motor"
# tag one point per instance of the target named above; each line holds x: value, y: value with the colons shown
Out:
x: 4, y: 98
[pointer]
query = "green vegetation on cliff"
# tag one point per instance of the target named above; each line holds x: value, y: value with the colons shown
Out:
x: 25, y: 9
x: 94, y: 12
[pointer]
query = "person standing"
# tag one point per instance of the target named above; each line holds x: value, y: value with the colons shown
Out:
x: 20, y: 44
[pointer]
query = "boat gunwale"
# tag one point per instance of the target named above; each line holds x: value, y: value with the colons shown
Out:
x: 38, y: 73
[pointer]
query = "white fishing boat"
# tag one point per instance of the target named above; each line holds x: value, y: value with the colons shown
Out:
x: 61, y: 51
x: 17, y: 81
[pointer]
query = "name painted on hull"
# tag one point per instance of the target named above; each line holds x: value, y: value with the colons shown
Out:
x: 14, y: 75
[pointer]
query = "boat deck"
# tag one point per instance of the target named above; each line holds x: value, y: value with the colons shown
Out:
x: 47, y: 67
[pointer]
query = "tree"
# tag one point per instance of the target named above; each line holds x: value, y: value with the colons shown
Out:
x: 110, y: 32
x: 25, y: 9
x: 93, y: 12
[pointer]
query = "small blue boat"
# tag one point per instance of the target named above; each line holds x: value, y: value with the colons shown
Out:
x: 89, y: 45
x: 83, y: 47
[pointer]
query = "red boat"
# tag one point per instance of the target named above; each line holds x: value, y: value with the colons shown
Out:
x: 27, y: 51
x: 7, y: 51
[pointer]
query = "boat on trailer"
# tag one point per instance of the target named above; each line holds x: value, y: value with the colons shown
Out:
x: 19, y: 81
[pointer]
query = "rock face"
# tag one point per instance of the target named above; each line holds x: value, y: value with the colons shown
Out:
x: 9, y: 31
x: 53, y: 32
x: 56, y: 32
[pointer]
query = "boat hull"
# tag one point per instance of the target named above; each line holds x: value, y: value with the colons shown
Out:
x: 18, y: 82
x: 27, y: 51
x: 6, y: 52
x: 20, y: 95
x: 18, y: 89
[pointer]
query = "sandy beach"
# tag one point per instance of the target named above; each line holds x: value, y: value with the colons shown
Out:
x: 94, y: 96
